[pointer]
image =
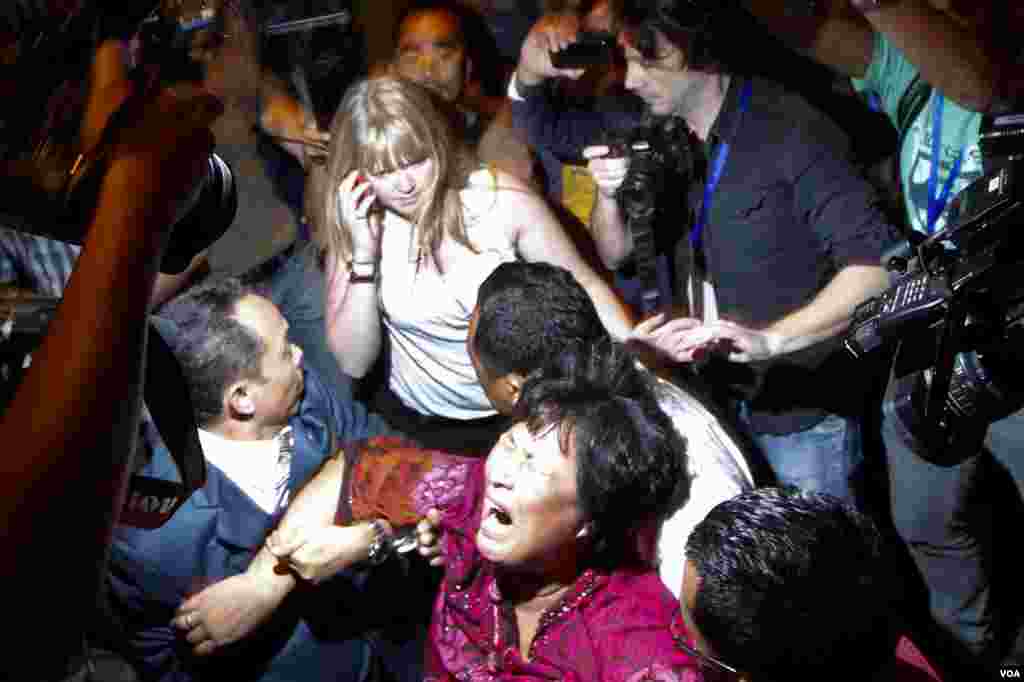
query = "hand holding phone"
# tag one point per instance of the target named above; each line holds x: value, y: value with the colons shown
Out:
x: 356, y: 202
x: 589, y: 49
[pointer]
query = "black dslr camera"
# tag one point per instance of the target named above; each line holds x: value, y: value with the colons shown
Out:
x: 50, y: 184
x: 661, y: 156
x: 956, y: 310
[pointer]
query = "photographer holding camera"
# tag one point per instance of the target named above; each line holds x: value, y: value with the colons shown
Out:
x: 942, y: 71
x: 785, y: 243
x: 69, y: 432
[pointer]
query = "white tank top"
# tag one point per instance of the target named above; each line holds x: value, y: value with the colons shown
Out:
x: 426, y: 314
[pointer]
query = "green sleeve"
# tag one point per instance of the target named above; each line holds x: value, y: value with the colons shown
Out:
x: 889, y: 76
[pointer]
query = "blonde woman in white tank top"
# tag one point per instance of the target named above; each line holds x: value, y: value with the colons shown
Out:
x: 409, y: 224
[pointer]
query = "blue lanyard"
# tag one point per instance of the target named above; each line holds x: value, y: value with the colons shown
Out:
x: 937, y: 201
x: 717, y: 167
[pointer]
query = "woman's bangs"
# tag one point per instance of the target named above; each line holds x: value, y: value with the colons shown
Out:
x: 390, y: 148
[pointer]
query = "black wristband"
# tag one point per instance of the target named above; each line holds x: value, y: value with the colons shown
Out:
x: 527, y: 91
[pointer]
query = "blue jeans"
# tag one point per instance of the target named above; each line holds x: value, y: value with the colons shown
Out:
x: 946, y: 516
x: 825, y: 458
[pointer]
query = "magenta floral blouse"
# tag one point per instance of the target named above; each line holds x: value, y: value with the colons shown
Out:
x: 609, y: 627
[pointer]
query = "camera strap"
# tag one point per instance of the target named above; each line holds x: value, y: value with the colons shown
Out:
x: 937, y: 200
x: 703, y: 304
x: 151, y: 502
x: 715, y: 174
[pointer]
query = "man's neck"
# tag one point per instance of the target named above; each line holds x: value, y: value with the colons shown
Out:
x: 233, y: 429
x: 707, y: 104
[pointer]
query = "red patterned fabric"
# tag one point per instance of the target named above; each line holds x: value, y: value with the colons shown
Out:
x: 607, y: 627
x: 392, y: 479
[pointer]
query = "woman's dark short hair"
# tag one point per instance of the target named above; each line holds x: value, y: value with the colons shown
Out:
x: 793, y: 585
x: 630, y: 460
x: 214, y: 349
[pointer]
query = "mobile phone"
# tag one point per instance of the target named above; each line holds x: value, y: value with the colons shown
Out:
x: 590, y: 48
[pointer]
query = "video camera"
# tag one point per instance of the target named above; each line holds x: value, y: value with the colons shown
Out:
x: 956, y: 310
x: 51, y: 185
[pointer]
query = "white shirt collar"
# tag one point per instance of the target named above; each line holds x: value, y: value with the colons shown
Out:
x: 255, y: 466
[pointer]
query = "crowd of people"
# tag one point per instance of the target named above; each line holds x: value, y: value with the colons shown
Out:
x: 445, y: 435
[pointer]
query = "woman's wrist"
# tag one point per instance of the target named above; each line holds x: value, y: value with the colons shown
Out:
x: 868, y: 6
x: 362, y: 271
x: 365, y: 257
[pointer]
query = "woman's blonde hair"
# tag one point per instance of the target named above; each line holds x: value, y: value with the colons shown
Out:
x: 381, y: 125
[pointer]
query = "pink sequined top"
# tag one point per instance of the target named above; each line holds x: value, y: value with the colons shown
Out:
x: 608, y: 627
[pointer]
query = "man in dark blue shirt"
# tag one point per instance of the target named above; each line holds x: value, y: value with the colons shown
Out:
x: 779, y: 239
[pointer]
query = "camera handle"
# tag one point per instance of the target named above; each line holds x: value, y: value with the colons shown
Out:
x: 920, y: 402
x: 641, y: 226
x: 936, y: 412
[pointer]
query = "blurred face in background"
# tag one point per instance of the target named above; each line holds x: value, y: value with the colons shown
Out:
x: 432, y: 52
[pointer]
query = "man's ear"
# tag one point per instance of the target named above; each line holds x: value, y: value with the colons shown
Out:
x: 239, y: 401
x: 512, y: 386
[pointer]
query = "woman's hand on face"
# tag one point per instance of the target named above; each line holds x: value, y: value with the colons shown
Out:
x: 356, y: 199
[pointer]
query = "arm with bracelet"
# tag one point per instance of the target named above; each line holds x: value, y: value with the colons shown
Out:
x: 384, y: 486
x: 346, y: 515
x: 352, y: 316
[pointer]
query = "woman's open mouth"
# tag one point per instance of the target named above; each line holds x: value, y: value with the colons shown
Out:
x: 495, y: 519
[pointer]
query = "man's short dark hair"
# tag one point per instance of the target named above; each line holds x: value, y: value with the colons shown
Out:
x: 630, y: 460
x: 681, y: 21
x: 793, y: 585
x: 531, y: 313
x: 214, y: 349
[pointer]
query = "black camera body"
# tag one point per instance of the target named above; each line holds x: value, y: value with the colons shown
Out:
x: 660, y: 154
x: 589, y: 49
x: 659, y: 150
x: 955, y: 309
